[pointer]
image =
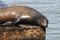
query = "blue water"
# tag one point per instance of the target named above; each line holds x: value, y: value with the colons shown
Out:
x: 49, y: 8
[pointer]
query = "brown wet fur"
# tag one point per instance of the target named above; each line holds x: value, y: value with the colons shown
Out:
x: 6, y: 14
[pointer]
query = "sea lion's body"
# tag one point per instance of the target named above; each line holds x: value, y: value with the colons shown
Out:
x: 22, y: 14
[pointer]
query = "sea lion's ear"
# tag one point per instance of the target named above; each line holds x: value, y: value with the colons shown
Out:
x: 44, y: 22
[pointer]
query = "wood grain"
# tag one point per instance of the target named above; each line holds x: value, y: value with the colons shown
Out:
x: 22, y: 32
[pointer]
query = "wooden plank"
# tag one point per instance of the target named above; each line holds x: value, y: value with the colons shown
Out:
x: 21, y: 33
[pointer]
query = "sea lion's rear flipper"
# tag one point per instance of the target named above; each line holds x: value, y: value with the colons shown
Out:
x: 7, y: 23
x: 11, y: 22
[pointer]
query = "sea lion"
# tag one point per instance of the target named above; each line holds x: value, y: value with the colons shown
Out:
x: 23, y: 15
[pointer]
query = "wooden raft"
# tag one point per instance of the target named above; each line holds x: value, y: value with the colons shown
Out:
x: 22, y: 32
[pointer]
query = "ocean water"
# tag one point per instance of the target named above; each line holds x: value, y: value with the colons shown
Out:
x: 49, y: 8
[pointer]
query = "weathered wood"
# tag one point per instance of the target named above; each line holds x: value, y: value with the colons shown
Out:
x: 22, y: 32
